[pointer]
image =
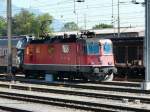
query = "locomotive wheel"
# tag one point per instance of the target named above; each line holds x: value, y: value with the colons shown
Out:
x: 100, y: 77
x: 109, y: 77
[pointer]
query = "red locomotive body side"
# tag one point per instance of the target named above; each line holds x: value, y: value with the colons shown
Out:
x: 54, y: 54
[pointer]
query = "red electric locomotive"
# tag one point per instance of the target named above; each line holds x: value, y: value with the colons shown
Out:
x: 72, y: 57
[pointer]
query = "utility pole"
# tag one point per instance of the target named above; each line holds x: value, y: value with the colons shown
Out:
x: 79, y: 1
x: 146, y: 83
x: 112, y: 18
x: 85, y: 21
x: 118, y: 18
x: 74, y: 1
x: 9, y: 22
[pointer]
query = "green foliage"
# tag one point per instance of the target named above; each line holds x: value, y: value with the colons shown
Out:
x: 23, y: 22
x: 70, y: 26
x: 3, y: 26
x: 44, y: 21
x: 26, y: 23
x: 102, y: 26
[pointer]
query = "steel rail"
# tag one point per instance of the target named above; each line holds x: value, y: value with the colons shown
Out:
x: 11, y: 109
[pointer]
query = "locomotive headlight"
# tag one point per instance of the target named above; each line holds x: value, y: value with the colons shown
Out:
x: 27, y: 51
x: 109, y: 63
x: 100, y: 62
x: 92, y: 63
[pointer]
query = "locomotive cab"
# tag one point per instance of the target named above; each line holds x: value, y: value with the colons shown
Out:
x: 100, y: 59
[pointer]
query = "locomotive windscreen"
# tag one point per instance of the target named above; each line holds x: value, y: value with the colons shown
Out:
x: 21, y: 43
x: 107, y: 48
x: 92, y: 48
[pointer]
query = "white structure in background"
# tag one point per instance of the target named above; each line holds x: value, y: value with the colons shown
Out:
x: 112, y: 32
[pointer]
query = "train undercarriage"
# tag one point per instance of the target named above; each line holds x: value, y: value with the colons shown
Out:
x: 71, y: 72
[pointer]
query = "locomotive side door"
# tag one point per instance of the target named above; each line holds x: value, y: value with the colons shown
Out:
x: 32, y: 55
x: 78, y: 49
x: 80, y: 54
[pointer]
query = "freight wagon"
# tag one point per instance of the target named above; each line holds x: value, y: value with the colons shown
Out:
x: 128, y: 53
x: 18, y: 42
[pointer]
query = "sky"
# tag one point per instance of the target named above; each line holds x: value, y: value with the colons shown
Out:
x: 88, y: 13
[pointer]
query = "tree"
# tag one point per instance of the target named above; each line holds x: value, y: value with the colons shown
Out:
x: 3, y: 25
x: 44, y: 21
x: 26, y: 23
x: 102, y: 26
x: 70, y: 26
x: 23, y: 23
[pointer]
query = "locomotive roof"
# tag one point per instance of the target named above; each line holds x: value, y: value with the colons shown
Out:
x: 74, y: 39
x: 53, y: 40
x: 89, y: 36
x: 66, y: 40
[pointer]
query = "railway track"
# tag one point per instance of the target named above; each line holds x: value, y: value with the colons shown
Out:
x: 104, y: 90
x: 75, y: 92
x: 129, y: 87
x: 77, y: 104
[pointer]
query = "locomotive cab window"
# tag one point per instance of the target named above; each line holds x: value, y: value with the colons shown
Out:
x: 21, y: 43
x: 92, y: 48
x: 107, y: 47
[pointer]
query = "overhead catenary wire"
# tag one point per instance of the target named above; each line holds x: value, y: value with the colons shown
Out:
x: 67, y: 11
